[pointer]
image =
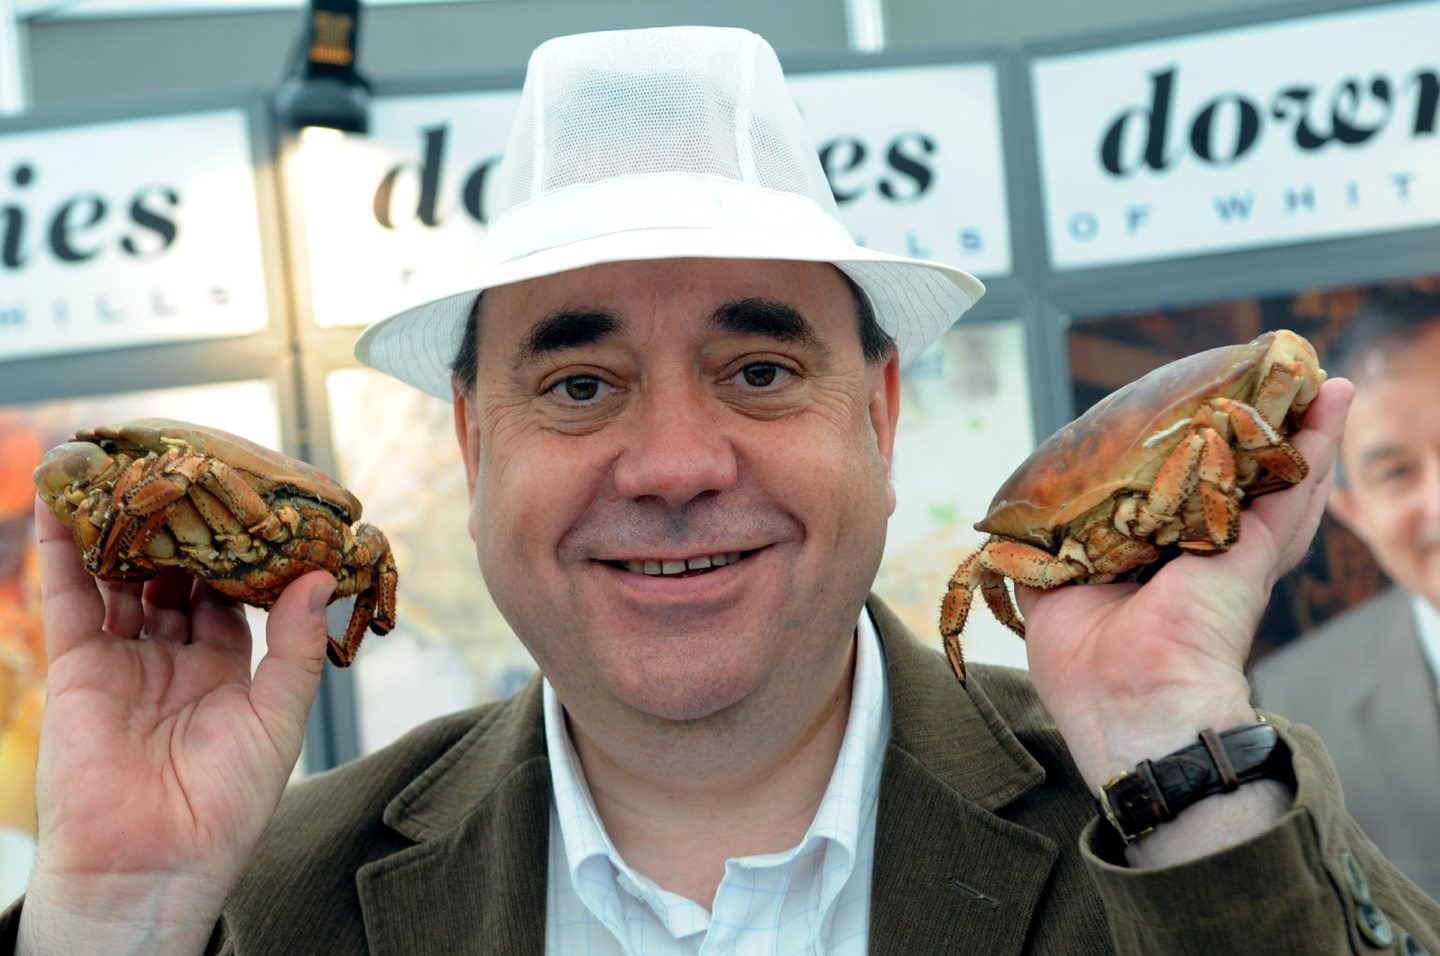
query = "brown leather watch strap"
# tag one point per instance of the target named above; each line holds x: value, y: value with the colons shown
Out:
x: 1156, y: 791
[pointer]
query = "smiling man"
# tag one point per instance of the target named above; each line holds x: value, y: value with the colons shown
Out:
x: 1380, y: 721
x: 676, y: 387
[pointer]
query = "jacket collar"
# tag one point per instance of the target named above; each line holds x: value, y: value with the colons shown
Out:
x: 949, y: 871
x: 951, y: 875
x: 475, y: 879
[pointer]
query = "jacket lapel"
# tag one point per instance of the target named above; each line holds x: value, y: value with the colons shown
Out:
x: 1395, y: 702
x: 475, y: 880
x: 950, y: 875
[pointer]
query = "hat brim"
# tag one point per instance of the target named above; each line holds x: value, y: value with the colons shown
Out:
x: 915, y: 300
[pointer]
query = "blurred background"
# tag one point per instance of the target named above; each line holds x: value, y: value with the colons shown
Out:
x: 202, y: 203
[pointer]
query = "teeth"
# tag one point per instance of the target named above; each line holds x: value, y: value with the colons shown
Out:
x: 675, y: 566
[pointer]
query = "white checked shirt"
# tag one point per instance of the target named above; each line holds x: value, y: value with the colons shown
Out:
x: 1427, y: 622
x: 812, y: 899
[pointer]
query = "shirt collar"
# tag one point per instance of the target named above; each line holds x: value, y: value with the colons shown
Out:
x: 849, y: 799
x: 1427, y: 622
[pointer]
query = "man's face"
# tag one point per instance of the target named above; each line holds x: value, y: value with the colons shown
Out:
x: 1391, y: 455
x: 635, y: 417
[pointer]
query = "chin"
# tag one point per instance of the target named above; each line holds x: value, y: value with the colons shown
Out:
x: 682, y: 697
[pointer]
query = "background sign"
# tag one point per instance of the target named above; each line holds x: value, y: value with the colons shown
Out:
x: 391, y: 221
x: 1165, y: 149
x: 129, y: 233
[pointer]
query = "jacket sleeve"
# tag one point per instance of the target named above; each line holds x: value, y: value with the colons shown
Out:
x: 1312, y: 884
x: 10, y: 928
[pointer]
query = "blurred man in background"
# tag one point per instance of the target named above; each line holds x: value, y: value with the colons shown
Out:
x: 1367, y: 679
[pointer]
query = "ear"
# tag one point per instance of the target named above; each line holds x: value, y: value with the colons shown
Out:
x: 467, y: 433
x: 884, y: 413
x: 1344, y: 509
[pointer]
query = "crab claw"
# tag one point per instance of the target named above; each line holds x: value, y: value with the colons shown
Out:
x: 64, y: 470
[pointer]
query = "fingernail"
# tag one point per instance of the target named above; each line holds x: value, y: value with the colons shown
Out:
x: 320, y: 598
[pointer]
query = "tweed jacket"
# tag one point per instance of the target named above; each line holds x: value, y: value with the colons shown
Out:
x: 1362, y: 682
x: 987, y: 842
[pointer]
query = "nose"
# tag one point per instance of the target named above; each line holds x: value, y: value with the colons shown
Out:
x: 676, y: 448
x: 1430, y: 489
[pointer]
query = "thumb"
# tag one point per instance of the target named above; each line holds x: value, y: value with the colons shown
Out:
x: 288, y: 677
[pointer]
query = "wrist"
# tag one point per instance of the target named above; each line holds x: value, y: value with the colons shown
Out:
x: 1111, y: 739
x: 118, y: 914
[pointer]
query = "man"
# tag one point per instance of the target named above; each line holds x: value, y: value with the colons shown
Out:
x: 676, y: 400
x: 1366, y: 680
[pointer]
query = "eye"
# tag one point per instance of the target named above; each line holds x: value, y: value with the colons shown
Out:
x: 580, y: 389
x: 763, y: 374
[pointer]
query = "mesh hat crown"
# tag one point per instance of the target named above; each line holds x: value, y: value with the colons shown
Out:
x: 675, y: 142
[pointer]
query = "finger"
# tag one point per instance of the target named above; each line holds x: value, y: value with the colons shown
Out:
x: 1293, y: 515
x: 218, y: 621
x: 71, y: 607
x: 124, y: 612
x: 166, y: 601
x: 289, y: 675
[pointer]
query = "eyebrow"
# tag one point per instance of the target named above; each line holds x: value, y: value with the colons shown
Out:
x: 768, y: 318
x: 1380, y: 453
x: 566, y: 329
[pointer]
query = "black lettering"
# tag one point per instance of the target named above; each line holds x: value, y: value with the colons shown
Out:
x: 62, y: 230
x: 840, y: 156
x: 1296, y: 99
x: 430, y: 174
x: 1157, y: 129
x: 153, y: 220
x: 1247, y: 129
x: 1347, y: 105
x: 1427, y: 101
x: 12, y: 222
x: 911, y: 168
x: 473, y: 194
x: 381, y: 205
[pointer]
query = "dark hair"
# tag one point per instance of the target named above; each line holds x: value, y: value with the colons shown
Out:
x: 875, y: 343
x: 1388, y: 321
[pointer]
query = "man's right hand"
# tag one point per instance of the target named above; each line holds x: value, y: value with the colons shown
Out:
x: 161, y: 760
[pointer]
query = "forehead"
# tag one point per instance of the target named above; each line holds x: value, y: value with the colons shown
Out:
x: 1397, y: 397
x: 672, y: 289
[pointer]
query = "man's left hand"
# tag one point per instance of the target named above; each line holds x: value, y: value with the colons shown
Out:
x: 1133, y: 671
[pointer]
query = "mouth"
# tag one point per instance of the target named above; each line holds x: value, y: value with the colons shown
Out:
x: 681, y: 567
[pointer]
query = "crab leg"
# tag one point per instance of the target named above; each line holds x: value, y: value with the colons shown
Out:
x: 1262, y: 443
x: 987, y: 569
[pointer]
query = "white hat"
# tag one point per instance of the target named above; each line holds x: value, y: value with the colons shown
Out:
x: 668, y: 143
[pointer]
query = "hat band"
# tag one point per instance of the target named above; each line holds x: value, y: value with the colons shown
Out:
x: 659, y: 201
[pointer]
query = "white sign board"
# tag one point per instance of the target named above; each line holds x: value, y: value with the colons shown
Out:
x: 1294, y: 131
x: 129, y: 233
x: 914, y: 159
x: 391, y: 220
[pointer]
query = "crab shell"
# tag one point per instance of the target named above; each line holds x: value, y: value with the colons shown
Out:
x: 265, y: 469
x: 1120, y: 443
x: 272, y: 517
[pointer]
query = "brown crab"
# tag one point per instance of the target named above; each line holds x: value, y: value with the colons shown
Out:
x: 155, y: 493
x: 1156, y: 469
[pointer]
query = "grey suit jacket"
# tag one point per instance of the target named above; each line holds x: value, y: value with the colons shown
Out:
x: 1362, y: 681
x: 987, y: 842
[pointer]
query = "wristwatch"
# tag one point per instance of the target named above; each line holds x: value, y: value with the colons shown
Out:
x: 1153, y: 793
